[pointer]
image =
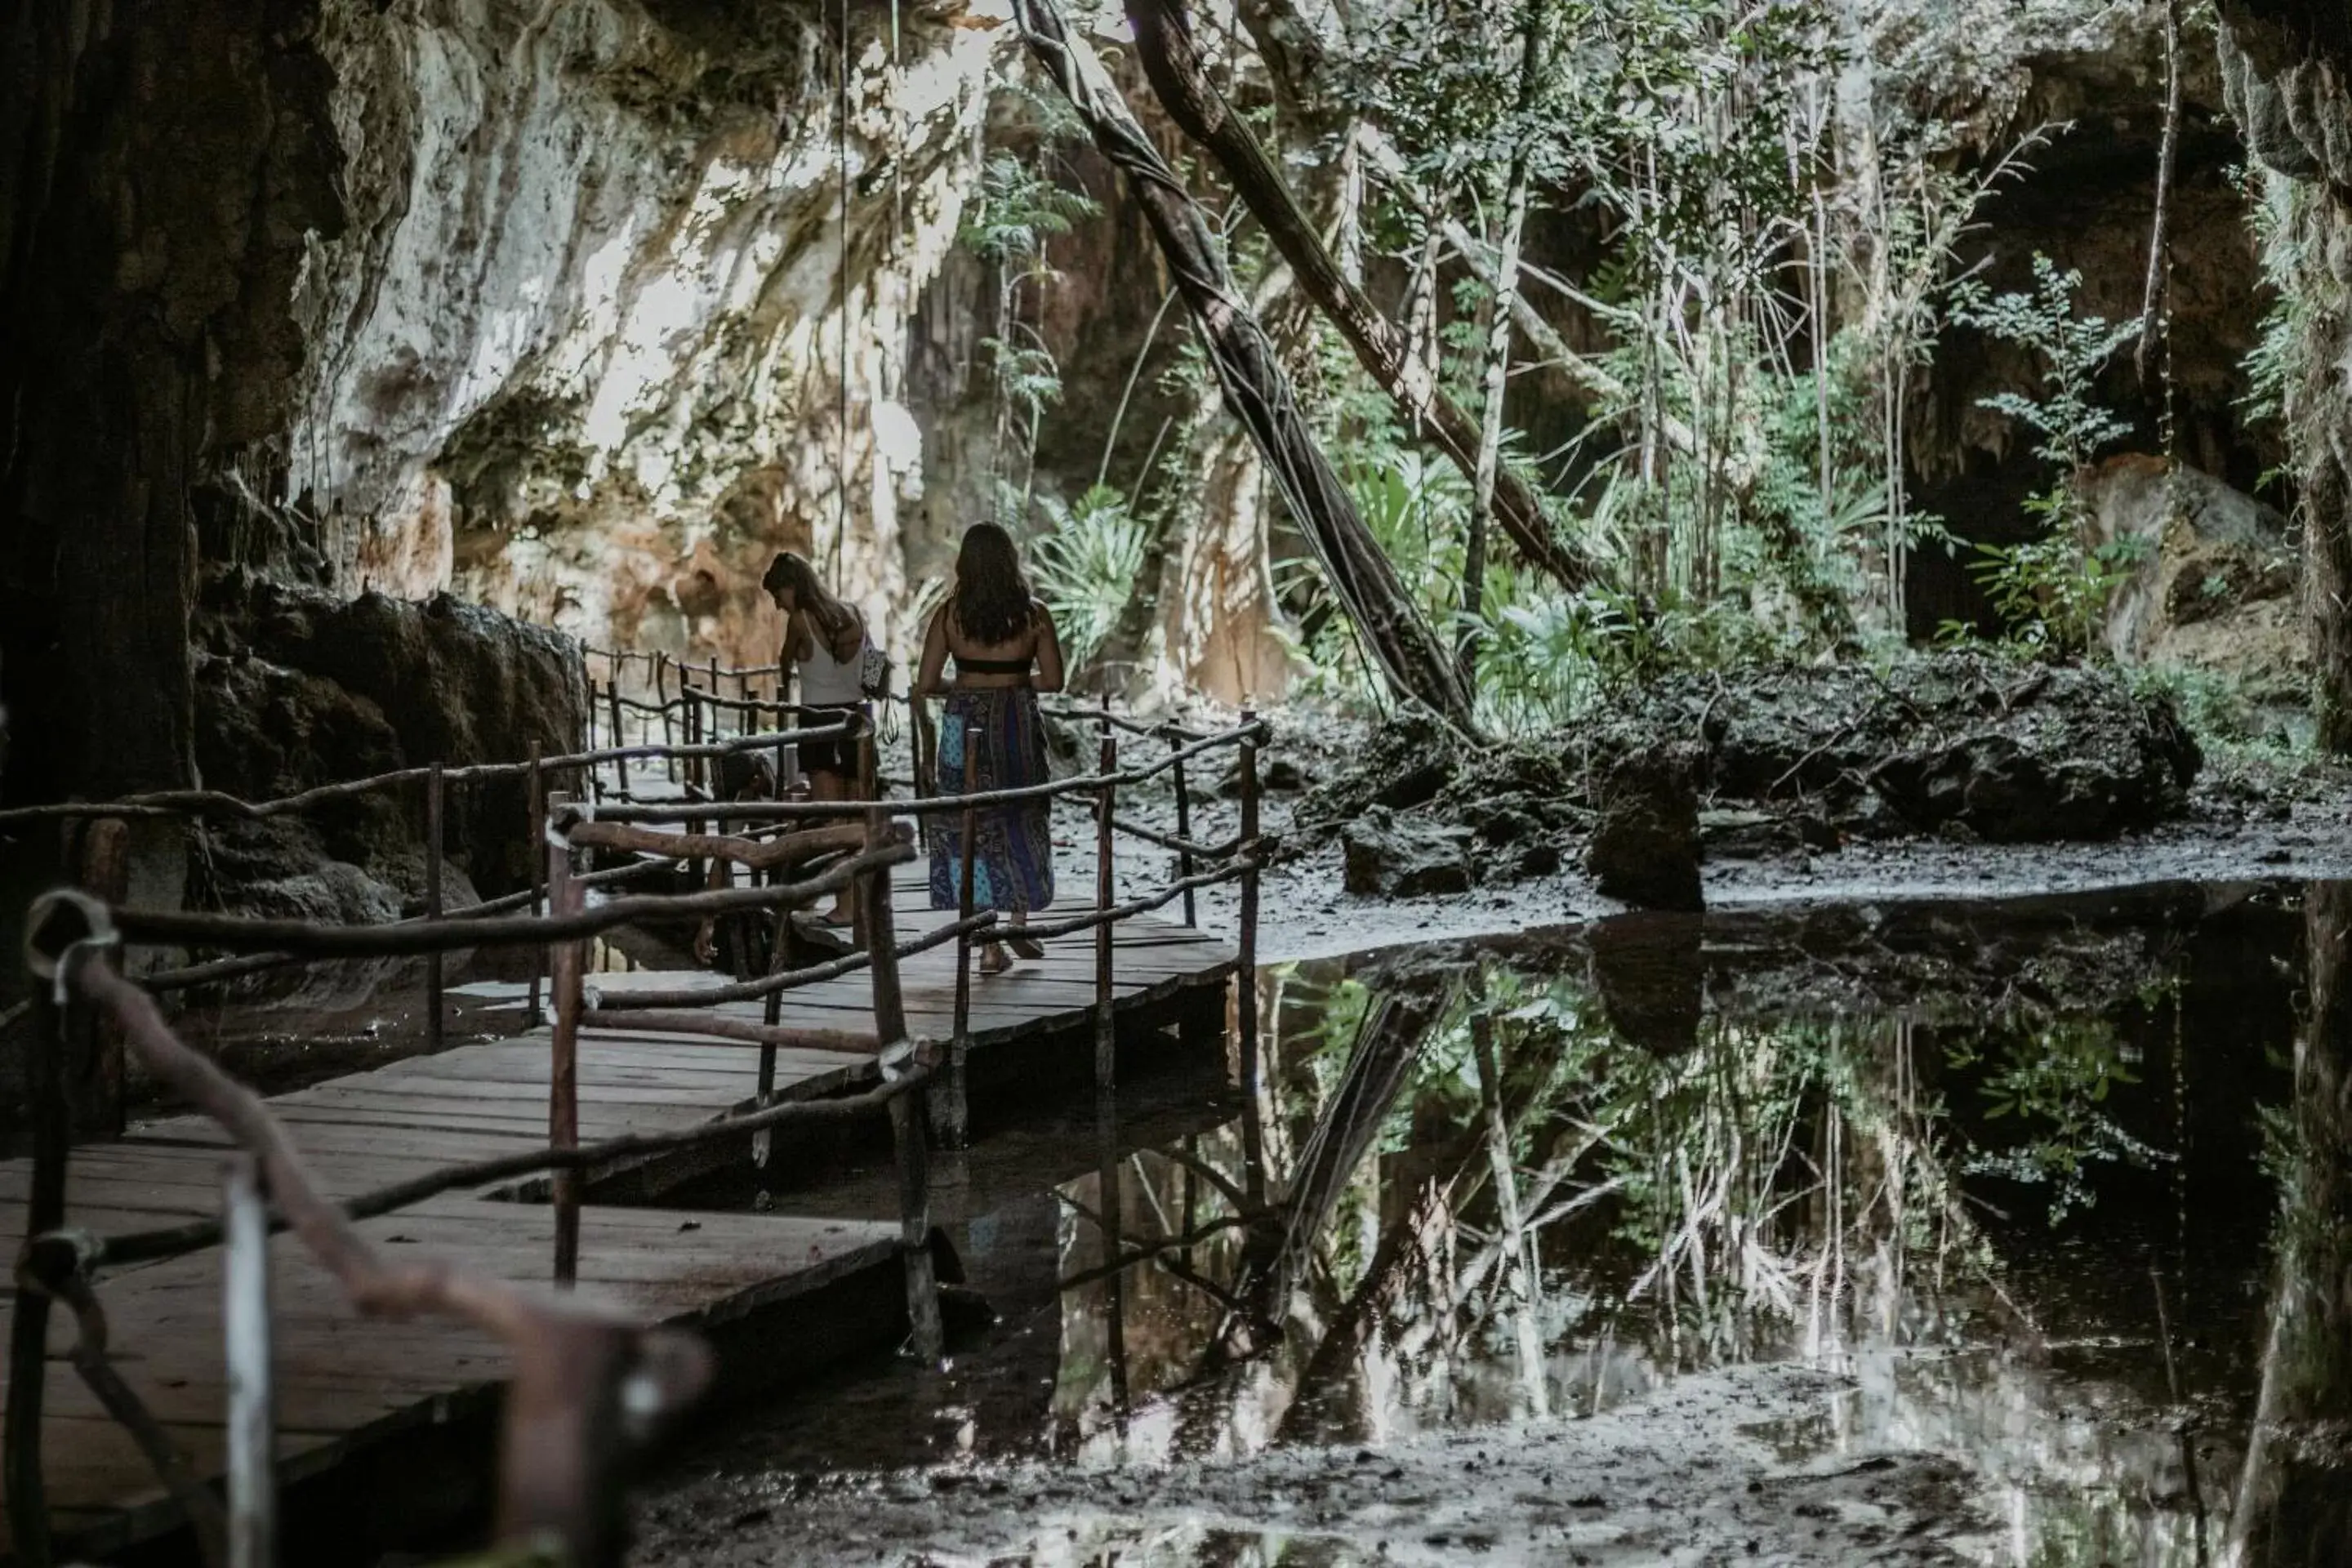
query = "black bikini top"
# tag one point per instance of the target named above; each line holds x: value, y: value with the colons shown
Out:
x: 992, y: 666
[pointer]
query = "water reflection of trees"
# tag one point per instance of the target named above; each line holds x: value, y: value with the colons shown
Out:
x: 2293, y: 1506
x: 1472, y: 1198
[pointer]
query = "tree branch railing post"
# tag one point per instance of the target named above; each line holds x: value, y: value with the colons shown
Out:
x: 246, y: 1335
x: 535, y: 814
x: 49, y: 1111
x: 661, y: 697
x: 620, y: 764
x: 566, y: 962
x: 435, y: 805
x: 1106, y: 884
x: 784, y: 753
x: 1183, y: 828
x: 1246, y: 964
x: 957, y: 1113
x: 925, y: 764
x: 907, y: 1112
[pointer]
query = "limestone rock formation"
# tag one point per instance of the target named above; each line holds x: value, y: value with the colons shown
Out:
x: 2007, y: 752
x: 1394, y: 855
x: 2212, y: 583
x: 1645, y: 849
x: 297, y: 687
x: 594, y: 339
x: 2287, y: 65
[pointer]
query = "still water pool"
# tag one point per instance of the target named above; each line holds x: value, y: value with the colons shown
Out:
x: 2061, y: 1189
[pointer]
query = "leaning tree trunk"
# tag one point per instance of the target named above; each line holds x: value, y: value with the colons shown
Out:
x: 1256, y: 386
x: 1163, y: 41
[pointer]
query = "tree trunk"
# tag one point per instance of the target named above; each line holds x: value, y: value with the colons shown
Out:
x: 1164, y: 44
x: 1256, y: 386
x: 1498, y: 348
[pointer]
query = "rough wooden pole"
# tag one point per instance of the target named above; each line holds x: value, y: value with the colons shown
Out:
x: 246, y: 1332
x: 435, y: 799
x: 564, y: 964
x: 1183, y: 830
x: 1105, y: 886
x: 965, y: 894
x: 51, y: 1115
x: 785, y: 751
x: 535, y: 813
x: 620, y: 764
x: 661, y: 703
x: 695, y: 715
x: 92, y: 1066
x: 907, y: 1111
x: 1246, y: 968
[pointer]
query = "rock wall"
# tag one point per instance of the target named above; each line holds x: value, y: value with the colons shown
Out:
x: 2288, y: 68
x: 297, y: 687
x: 2087, y: 200
x: 596, y: 339
x: 159, y: 166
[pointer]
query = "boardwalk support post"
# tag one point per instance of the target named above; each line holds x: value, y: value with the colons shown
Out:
x: 1246, y: 968
x: 1106, y: 1018
x: 565, y: 960
x: 535, y: 813
x: 661, y: 702
x: 245, y: 1331
x: 906, y: 1109
x: 93, y: 1067
x: 435, y: 830
x: 1183, y: 827
x: 620, y: 764
x: 952, y: 1112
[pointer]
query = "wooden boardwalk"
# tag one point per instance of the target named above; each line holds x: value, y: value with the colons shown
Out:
x: 345, y: 1384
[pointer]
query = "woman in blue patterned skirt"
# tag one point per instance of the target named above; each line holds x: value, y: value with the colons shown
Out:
x: 991, y: 736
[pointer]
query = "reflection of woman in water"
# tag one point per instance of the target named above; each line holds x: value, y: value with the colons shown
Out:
x: 1005, y: 653
x: 825, y: 639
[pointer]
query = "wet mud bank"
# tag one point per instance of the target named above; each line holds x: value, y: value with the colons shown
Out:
x: 1915, y: 1230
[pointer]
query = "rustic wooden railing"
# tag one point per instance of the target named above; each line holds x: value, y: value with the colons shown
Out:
x: 585, y: 1383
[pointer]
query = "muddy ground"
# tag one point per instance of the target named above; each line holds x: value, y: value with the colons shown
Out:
x: 1692, y: 1475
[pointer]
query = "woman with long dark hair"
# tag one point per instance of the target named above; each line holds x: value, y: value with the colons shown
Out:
x: 991, y: 736
x: 824, y: 640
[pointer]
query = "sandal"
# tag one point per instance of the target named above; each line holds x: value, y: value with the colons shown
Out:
x: 1025, y: 947
x: 994, y: 959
